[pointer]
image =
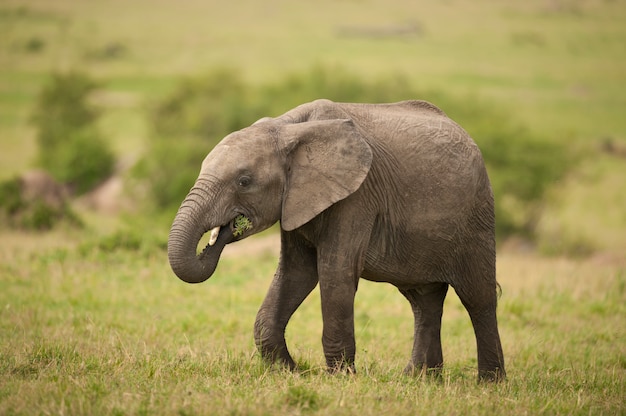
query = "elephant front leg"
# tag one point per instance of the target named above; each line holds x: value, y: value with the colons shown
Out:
x: 337, y: 289
x: 338, y: 334
x: 295, y: 278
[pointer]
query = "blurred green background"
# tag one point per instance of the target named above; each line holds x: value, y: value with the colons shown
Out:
x: 540, y: 85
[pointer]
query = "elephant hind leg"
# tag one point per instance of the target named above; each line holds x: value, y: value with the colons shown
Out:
x: 427, y: 305
x: 478, y: 290
x: 480, y: 300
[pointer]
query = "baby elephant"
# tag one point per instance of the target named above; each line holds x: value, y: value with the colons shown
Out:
x: 392, y: 193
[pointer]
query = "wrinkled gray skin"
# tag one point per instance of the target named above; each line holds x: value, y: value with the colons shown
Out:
x: 392, y: 193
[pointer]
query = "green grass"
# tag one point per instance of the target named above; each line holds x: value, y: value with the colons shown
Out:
x: 87, y: 329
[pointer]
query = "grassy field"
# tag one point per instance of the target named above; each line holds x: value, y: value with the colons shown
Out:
x: 91, y: 323
x: 86, y: 330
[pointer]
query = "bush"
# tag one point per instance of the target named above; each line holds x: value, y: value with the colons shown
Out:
x: 203, y: 107
x: 70, y: 146
x: 169, y: 170
x: 23, y: 207
x: 201, y: 111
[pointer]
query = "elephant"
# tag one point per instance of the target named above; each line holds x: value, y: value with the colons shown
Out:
x: 393, y: 192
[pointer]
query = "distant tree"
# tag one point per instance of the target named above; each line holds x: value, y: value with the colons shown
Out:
x: 70, y: 146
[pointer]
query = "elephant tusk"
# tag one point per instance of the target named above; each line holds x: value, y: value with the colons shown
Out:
x: 214, y: 233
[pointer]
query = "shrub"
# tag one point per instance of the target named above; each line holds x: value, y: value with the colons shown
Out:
x: 203, y: 107
x: 169, y: 169
x: 70, y: 146
x: 201, y: 111
x: 24, y: 206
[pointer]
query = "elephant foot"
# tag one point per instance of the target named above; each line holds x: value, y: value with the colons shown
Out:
x: 423, y: 371
x: 340, y: 366
x: 280, y: 366
x: 276, y: 355
x: 279, y: 360
x: 270, y: 343
x: 491, y: 376
x: 349, y: 370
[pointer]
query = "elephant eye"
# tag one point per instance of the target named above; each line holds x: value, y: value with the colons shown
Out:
x: 244, y: 181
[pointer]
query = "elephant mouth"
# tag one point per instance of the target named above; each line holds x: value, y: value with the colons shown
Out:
x: 225, y: 234
x: 220, y: 236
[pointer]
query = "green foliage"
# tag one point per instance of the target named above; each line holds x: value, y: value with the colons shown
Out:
x: 11, y: 196
x: 170, y: 168
x: 242, y: 224
x: 34, y: 213
x: 205, y: 107
x: 201, y: 111
x: 70, y: 146
x: 82, y: 161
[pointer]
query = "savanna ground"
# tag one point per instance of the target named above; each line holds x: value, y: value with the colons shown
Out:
x: 93, y: 321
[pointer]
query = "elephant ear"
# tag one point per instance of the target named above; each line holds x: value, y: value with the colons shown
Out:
x: 327, y: 161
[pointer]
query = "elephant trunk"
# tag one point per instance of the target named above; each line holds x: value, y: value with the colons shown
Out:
x: 185, y: 234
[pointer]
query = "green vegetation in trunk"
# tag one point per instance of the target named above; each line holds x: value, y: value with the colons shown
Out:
x: 242, y: 224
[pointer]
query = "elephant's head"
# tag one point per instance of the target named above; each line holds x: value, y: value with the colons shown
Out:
x: 273, y: 170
